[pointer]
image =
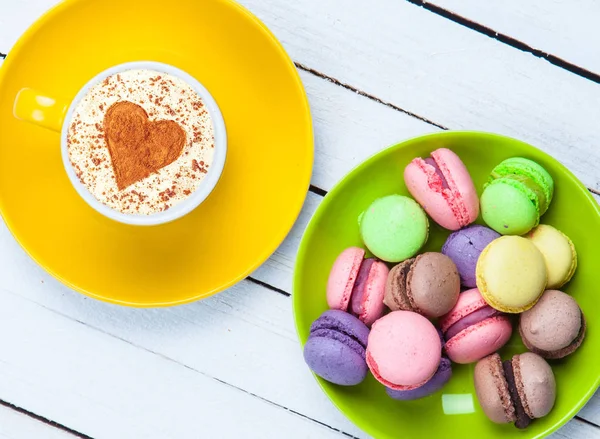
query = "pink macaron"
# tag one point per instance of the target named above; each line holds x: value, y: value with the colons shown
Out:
x: 473, y: 329
x: 443, y: 187
x: 357, y: 285
x: 404, y: 350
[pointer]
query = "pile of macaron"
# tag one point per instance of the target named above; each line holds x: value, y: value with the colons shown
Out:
x: 406, y: 317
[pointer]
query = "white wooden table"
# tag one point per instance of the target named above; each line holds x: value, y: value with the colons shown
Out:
x: 230, y: 366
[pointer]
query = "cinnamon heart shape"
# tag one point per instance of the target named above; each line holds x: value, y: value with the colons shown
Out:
x: 137, y: 146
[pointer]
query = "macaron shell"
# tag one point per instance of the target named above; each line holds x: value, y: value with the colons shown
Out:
x: 559, y: 253
x: 433, y: 284
x: 394, y: 228
x: 404, y: 350
x: 507, y: 207
x: 530, y: 169
x: 373, y: 306
x: 480, y: 340
x: 437, y: 382
x: 425, y: 186
x: 342, y: 322
x: 553, y: 323
x: 395, y: 297
x: 334, y: 361
x: 464, y: 247
x: 560, y: 353
x: 535, y: 383
x: 460, y: 182
x: 511, y: 274
x: 453, y: 207
x: 343, y: 338
x: 468, y: 302
x: 492, y: 390
x: 342, y: 277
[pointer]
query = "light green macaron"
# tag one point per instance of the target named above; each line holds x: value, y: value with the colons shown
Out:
x: 394, y: 228
x: 518, y: 192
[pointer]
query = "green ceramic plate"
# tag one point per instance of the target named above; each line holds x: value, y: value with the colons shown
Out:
x: 454, y: 411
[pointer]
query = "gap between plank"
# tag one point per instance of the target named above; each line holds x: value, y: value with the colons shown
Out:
x: 510, y: 41
x: 322, y: 192
x: 44, y: 420
x: 300, y: 66
x: 84, y: 436
x: 167, y: 358
x: 268, y: 286
x: 335, y: 81
x: 585, y: 421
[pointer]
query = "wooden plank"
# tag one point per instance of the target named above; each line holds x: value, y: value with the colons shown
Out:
x: 123, y: 324
x: 16, y: 16
x: 438, y: 69
x: 106, y: 387
x: 577, y: 429
x: 429, y: 66
x: 348, y: 129
x: 244, y: 337
x: 565, y: 29
x: 15, y: 425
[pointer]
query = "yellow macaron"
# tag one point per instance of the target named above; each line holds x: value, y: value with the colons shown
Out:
x: 511, y: 274
x: 559, y: 254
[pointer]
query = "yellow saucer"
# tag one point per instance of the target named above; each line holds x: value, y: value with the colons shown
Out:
x: 261, y: 191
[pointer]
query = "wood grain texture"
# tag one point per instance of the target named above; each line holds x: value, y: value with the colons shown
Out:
x: 566, y: 29
x: 70, y: 356
x: 245, y: 337
x: 94, y: 381
x: 426, y: 65
x: 348, y: 129
x: 438, y: 69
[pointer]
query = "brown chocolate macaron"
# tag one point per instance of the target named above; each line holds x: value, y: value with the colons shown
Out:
x: 554, y: 327
x: 428, y: 284
x: 517, y: 390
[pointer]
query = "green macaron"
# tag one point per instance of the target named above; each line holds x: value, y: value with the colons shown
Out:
x: 518, y: 192
x: 394, y: 228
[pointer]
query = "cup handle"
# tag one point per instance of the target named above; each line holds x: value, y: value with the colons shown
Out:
x: 40, y: 109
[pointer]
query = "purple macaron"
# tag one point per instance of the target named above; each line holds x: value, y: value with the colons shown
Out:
x: 335, y: 349
x: 437, y: 381
x: 464, y: 247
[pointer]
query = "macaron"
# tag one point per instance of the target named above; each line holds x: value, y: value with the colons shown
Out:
x: 518, y: 192
x: 336, y: 348
x: 437, y: 382
x: 559, y: 254
x: 517, y: 390
x: 356, y: 285
x: 473, y: 329
x: 554, y: 327
x: 404, y: 350
x: 428, y: 284
x: 443, y: 187
x: 511, y: 274
x: 464, y: 247
x: 394, y: 228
